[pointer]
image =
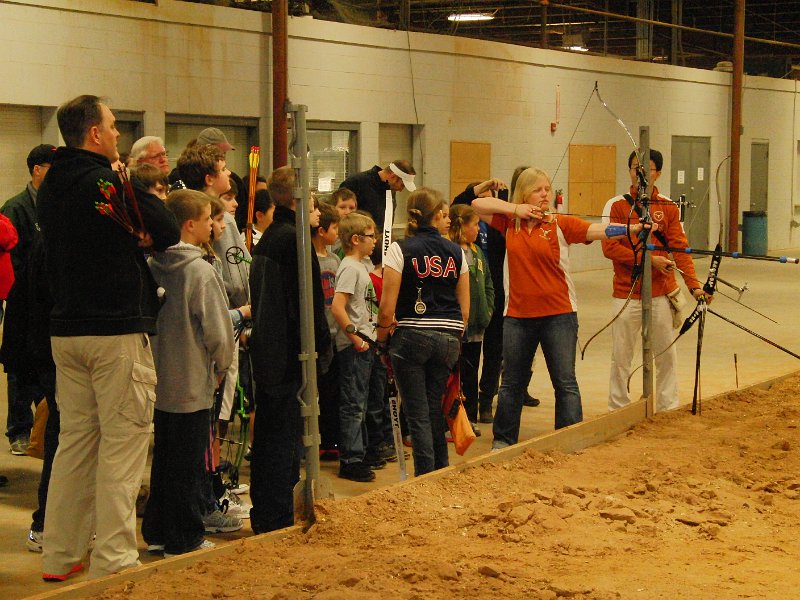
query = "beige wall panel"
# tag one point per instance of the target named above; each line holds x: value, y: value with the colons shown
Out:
x: 469, y: 162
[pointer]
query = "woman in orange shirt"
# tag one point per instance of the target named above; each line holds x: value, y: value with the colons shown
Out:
x: 541, y: 306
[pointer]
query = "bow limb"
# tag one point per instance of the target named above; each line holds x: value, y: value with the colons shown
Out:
x: 687, y: 325
x: 700, y: 330
x: 617, y: 316
x: 618, y: 120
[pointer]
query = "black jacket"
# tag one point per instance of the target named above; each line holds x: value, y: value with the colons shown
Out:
x: 99, y: 279
x: 495, y: 252
x: 370, y: 191
x: 275, y: 297
x: 21, y: 211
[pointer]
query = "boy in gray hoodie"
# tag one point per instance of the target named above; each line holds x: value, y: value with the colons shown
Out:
x: 194, y: 349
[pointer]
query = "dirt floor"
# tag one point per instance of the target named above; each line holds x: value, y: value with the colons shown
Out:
x: 681, y: 506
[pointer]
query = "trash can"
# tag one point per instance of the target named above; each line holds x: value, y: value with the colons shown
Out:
x: 754, y: 232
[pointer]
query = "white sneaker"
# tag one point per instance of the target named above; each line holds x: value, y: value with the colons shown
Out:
x: 234, y: 506
x: 216, y: 522
x: 34, y: 541
x: 155, y: 549
x: 204, y: 545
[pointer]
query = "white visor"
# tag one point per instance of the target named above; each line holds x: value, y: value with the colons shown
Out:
x: 408, y: 180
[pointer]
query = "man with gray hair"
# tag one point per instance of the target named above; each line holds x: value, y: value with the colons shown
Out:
x: 150, y: 150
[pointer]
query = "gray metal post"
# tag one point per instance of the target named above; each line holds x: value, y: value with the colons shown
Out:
x: 647, y: 280
x: 309, y: 489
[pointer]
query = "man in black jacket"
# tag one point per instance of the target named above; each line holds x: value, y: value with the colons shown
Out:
x: 24, y: 387
x: 274, y: 350
x: 370, y: 188
x: 105, y: 308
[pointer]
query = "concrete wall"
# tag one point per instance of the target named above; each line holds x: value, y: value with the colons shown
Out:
x: 183, y: 58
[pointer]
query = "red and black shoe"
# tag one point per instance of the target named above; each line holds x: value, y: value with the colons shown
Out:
x: 51, y: 577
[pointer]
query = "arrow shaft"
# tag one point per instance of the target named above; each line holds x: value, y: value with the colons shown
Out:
x: 780, y: 259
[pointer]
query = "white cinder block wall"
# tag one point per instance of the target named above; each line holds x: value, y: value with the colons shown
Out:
x: 190, y: 59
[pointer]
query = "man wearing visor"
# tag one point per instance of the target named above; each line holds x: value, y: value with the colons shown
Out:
x: 370, y: 187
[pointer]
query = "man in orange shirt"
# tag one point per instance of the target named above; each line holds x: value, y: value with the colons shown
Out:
x: 626, y: 329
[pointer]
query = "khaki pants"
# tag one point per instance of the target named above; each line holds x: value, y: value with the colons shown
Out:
x: 106, y: 394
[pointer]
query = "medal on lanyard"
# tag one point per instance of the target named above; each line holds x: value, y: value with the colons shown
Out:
x: 419, y: 305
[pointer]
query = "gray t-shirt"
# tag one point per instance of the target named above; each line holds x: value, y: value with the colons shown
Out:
x: 362, y: 309
x: 328, y: 265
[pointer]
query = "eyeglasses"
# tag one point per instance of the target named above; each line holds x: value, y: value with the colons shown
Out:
x: 368, y: 235
x: 159, y: 155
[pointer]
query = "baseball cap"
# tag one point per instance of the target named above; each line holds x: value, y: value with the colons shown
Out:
x: 212, y: 135
x: 41, y: 154
x: 408, y: 179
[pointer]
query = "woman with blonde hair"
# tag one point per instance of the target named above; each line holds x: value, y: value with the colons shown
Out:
x: 541, y: 306
x: 426, y: 300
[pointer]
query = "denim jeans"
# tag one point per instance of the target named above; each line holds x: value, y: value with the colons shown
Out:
x: 24, y: 389
x: 362, y: 386
x: 379, y: 424
x: 558, y: 336
x: 469, y: 362
x: 51, y: 431
x: 422, y: 361
x: 492, y: 361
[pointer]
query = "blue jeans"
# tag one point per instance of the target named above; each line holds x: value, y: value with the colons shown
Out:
x: 558, y: 336
x: 24, y: 389
x: 362, y: 385
x: 422, y: 361
x: 379, y: 424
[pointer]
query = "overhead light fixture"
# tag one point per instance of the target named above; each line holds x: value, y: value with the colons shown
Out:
x: 577, y: 48
x: 469, y: 17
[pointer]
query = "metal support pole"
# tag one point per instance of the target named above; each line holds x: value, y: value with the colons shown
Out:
x: 311, y: 488
x: 736, y: 125
x: 545, y: 40
x: 647, y: 280
x: 280, y: 43
x: 675, y: 34
x: 644, y: 31
x: 404, y: 10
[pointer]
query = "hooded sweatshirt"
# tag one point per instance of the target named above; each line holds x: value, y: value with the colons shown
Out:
x: 195, y: 340
x: 235, y: 276
x: 98, y: 276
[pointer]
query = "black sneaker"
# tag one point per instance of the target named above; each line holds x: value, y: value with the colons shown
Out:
x: 485, y: 416
x: 356, y: 471
x: 387, y: 452
x: 374, y: 461
x: 530, y: 400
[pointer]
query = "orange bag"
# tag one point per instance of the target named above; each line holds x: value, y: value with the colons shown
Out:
x: 456, y: 415
x: 36, y: 447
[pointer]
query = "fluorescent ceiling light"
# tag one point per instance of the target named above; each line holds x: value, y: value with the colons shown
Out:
x: 577, y: 48
x: 466, y: 17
